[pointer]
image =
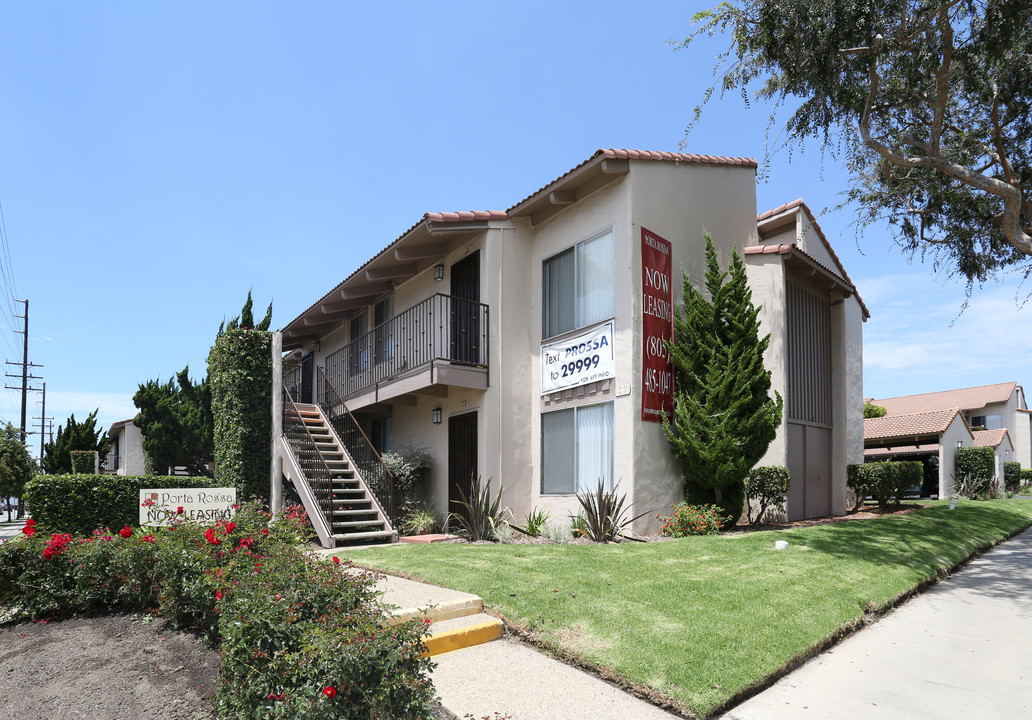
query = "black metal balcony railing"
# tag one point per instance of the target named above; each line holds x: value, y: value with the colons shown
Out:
x: 361, y: 451
x: 441, y: 328
x: 309, y: 459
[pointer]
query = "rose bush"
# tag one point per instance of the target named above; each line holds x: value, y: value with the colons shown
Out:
x: 288, y: 624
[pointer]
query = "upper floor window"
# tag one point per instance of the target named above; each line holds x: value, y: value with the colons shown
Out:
x: 987, y: 422
x: 577, y: 286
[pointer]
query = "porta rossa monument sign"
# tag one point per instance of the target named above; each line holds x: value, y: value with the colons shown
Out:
x: 159, y: 506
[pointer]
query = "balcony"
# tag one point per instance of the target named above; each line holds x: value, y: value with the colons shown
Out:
x: 438, y: 343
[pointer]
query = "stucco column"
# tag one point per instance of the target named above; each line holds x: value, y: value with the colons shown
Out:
x: 276, y: 469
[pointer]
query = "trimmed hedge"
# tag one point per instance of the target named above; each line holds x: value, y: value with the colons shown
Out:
x: 84, y: 461
x: 79, y: 504
x: 768, y: 486
x: 978, y: 462
x: 1011, y: 474
x: 1026, y: 476
x: 240, y: 373
x: 884, y: 481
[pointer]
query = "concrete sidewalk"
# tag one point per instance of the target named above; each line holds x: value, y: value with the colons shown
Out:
x: 10, y: 529
x: 509, y: 677
x: 959, y: 650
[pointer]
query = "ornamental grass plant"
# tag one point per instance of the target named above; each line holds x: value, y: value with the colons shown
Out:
x: 288, y: 624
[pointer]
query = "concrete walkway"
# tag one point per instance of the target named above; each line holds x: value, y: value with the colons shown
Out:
x: 10, y: 529
x: 508, y: 677
x: 961, y: 650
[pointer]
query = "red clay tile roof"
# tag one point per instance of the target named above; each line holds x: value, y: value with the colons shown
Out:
x: 990, y: 438
x: 466, y: 216
x: 799, y: 203
x: 624, y: 154
x: 788, y: 248
x: 965, y: 398
x: 913, y: 425
x: 922, y: 449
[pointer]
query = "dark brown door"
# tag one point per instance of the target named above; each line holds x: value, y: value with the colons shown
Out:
x: 462, y: 458
x: 307, y: 377
x: 465, y: 310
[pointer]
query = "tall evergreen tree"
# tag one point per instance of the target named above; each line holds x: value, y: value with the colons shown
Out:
x: 16, y: 466
x: 57, y: 454
x: 176, y: 422
x: 724, y: 418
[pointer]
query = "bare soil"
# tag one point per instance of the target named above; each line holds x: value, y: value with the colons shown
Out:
x: 118, y: 667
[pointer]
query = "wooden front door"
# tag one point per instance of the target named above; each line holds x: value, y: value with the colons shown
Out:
x: 465, y: 310
x: 462, y: 458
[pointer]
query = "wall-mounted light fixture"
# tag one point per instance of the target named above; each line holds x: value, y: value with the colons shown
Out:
x: 318, y: 346
x: 438, y: 272
x: 436, y: 415
x: 960, y: 443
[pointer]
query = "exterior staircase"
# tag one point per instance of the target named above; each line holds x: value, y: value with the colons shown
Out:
x: 351, y: 514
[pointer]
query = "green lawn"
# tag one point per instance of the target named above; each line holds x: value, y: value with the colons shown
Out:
x: 704, y: 618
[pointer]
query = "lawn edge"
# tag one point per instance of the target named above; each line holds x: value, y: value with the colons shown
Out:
x: 850, y: 628
x: 665, y: 702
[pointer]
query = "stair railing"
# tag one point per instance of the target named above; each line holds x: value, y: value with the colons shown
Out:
x: 377, y: 477
x: 317, y: 473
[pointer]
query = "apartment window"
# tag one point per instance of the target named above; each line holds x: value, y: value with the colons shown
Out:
x: 383, y: 337
x: 577, y: 449
x: 358, y: 352
x: 988, y: 422
x: 577, y: 286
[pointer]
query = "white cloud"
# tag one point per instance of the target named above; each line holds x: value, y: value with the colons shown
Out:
x: 920, y: 337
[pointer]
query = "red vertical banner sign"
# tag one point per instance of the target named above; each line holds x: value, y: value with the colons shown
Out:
x: 657, y: 325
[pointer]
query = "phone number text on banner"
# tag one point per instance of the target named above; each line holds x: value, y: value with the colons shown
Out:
x: 588, y: 357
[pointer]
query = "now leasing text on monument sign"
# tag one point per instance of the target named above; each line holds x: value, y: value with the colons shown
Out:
x: 657, y: 327
x: 575, y: 361
x: 207, y: 505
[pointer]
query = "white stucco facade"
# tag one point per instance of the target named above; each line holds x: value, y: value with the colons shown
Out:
x: 675, y: 197
x: 126, y: 455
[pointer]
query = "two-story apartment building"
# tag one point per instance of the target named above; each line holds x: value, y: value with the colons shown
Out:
x: 524, y: 347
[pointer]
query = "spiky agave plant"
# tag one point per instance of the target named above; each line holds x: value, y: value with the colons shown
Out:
x: 481, y: 513
x: 605, y: 513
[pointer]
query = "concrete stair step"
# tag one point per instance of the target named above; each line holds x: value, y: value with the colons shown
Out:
x: 462, y: 632
x: 345, y: 537
x: 356, y: 523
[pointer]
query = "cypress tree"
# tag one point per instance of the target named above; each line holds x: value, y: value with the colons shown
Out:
x: 724, y: 418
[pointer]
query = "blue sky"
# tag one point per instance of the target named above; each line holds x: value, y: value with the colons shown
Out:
x: 158, y: 162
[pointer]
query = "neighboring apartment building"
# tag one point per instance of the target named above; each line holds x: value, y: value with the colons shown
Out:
x: 125, y: 457
x: 524, y: 347
x: 992, y: 416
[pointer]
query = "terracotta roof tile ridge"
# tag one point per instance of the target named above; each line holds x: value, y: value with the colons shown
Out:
x: 466, y: 215
x: 951, y: 411
x: 942, y: 392
x: 626, y: 154
x: 779, y: 209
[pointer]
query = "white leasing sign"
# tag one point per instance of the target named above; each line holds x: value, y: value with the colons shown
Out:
x: 206, y: 505
x: 585, y: 358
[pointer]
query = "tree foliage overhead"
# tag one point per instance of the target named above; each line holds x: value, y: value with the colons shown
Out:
x: 930, y: 102
x: 873, y: 411
x: 724, y: 418
x: 57, y: 454
x: 245, y: 320
x: 176, y: 422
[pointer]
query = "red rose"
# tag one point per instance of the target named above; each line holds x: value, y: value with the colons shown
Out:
x: 29, y: 530
x: 330, y: 692
x: 230, y: 526
x: 336, y: 560
x: 179, y: 510
x: 265, y: 532
x: 148, y: 538
x: 218, y: 594
x: 126, y: 532
x: 30, y: 522
x: 209, y: 535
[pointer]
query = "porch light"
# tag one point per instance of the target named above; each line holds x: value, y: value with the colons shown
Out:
x: 318, y: 346
x: 960, y: 443
x: 436, y: 416
x: 438, y: 276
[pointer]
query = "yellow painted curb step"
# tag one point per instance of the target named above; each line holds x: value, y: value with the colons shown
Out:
x: 463, y: 637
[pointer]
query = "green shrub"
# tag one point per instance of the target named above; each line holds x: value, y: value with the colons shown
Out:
x: 79, y: 504
x: 288, y: 624
x: 885, y: 481
x: 240, y: 373
x: 1026, y: 476
x: 409, y: 466
x: 537, y: 520
x: 978, y: 462
x: 732, y: 501
x: 421, y: 520
x: 84, y: 461
x: 767, y: 486
x: 692, y: 520
x: 1011, y: 475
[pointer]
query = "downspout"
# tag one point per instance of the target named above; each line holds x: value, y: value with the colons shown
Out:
x: 276, y: 469
x: 498, y: 319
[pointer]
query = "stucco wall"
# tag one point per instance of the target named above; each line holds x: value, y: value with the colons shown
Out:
x: 957, y: 432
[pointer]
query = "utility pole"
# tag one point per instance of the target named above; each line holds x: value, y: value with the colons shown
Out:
x: 43, y: 425
x: 25, y: 365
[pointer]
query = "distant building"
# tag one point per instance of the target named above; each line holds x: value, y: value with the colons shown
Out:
x: 126, y: 454
x: 931, y: 426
